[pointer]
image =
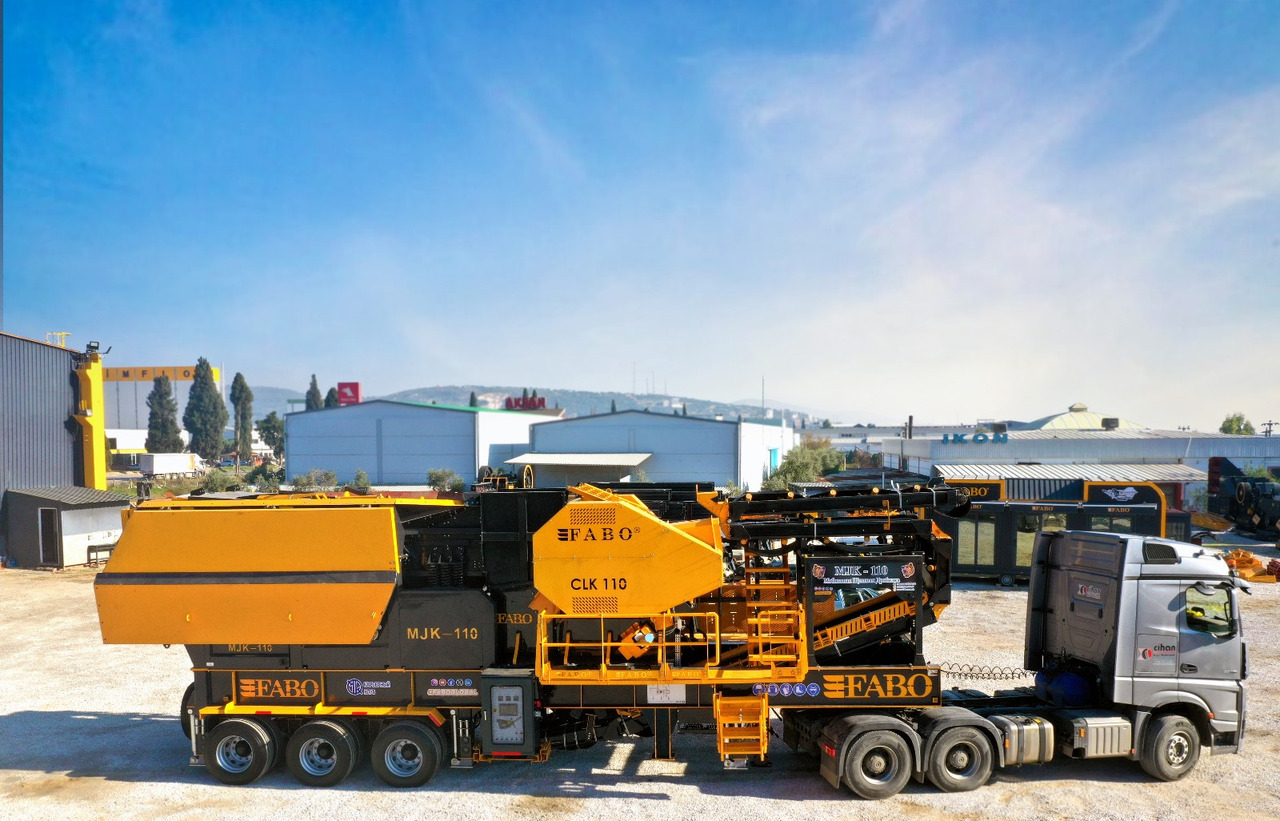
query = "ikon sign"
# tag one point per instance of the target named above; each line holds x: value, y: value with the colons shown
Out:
x: 348, y: 393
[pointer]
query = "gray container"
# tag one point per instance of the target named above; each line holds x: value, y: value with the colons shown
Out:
x: 1027, y: 739
x: 1094, y: 734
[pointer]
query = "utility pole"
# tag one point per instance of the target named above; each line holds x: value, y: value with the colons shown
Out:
x: 1266, y: 428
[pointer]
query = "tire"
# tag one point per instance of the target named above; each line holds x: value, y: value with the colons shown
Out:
x: 960, y: 760
x: 321, y: 753
x: 1171, y: 748
x: 187, y: 696
x: 1243, y: 491
x: 358, y: 736
x: 406, y: 754
x: 238, y: 751
x: 878, y: 764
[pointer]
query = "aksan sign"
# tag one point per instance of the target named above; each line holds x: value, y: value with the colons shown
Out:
x: 975, y: 438
x: 526, y: 402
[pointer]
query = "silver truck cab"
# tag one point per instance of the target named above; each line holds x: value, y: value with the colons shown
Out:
x: 1158, y: 622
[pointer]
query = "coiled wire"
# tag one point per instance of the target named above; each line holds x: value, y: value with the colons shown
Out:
x: 984, y: 672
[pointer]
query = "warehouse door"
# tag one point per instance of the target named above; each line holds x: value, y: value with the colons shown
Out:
x: 50, y: 544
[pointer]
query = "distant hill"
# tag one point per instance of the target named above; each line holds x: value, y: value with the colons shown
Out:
x: 588, y: 403
x: 266, y: 400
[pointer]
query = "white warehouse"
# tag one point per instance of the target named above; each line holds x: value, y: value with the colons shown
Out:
x: 655, y: 447
x: 396, y: 443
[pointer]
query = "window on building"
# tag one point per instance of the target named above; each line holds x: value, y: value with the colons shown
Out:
x: 976, y: 540
x: 1028, y: 525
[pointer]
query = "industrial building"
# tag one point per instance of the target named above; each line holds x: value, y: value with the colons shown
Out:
x: 1075, y: 470
x: 396, y: 443
x: 53, y: 459
x: 655, y: 447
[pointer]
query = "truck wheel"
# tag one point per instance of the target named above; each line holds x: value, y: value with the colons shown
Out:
x: 960, y: 760
x: 238, y: 751
x: 878, y: 764
x: 406, y: 754
x: 187, y: 695
x: 1172, y: 747
x: 321, y: 753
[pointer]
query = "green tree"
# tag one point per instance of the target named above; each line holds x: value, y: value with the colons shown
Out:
x: 163, y: 433
x: 265, y: 478
x: 242, y: 401
x: 219, y: 480
x: 445, y: 479
x: 206, y: 415
x: 1237, y: 425
x: 314, y: 400
x: 814, y: 457
x: 361, y: 483
x: 271, y: 429
x: 473, y: 403
x: 331, y: 398
x: 613, y: 406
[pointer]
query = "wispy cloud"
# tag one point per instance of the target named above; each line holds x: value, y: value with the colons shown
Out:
x: 956, y: 209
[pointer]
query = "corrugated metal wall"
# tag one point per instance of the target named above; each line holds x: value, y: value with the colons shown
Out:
x: 38, y: 432
x: 1063, y: 489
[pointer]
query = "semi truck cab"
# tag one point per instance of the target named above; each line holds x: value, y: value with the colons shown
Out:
x: 1152, y: 624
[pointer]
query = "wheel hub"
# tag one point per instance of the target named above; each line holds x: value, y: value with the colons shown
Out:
x: 234, y: 754
x: 317, y: 757
x: 403, y: 758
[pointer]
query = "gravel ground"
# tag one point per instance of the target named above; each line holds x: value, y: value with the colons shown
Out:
x: 90, y: 731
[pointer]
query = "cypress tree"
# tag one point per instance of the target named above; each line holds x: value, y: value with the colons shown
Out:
x: 206, y: 415
x: 613, y: 406
x: 163, y: 433
x: 473, y: 403
x: 314, y: 400
x: 331, y: 398
x: 242, y: 400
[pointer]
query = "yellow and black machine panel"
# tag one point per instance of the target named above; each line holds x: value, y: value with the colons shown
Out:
x: 279, y: 571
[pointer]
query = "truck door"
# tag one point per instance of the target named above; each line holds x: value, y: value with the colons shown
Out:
x: 1210, y: 657
x: 1157, y: 637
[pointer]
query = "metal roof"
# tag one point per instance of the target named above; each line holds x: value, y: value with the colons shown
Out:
x: 70, y: 495
x: 1089, y: 472
x: 1125, y: 433
x: 581, y: 459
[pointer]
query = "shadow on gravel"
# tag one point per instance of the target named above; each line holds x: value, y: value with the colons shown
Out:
x: 112, y: 746
x: 140, y: 748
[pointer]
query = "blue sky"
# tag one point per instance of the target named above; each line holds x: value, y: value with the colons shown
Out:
x: 956, y: 210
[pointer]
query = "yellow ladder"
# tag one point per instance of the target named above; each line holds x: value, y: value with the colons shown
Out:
x: 773, y: 636
x: 742, y: 727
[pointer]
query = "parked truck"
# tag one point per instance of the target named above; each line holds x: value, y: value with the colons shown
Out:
x: 170, y: 465
x: 1252, y: 503
x: 418, y: 633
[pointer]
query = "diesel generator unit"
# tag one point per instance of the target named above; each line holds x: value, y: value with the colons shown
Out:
x: 325, y: 631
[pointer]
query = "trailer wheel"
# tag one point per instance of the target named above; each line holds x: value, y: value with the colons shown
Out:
x: 1243, y: 491
x: 406, y: 754
x: 321, y: 753
x: 1172, y: 747
x: 238, y: 751
x: 878, y: 764
x: 187, y: 695
x: 960, y: 760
